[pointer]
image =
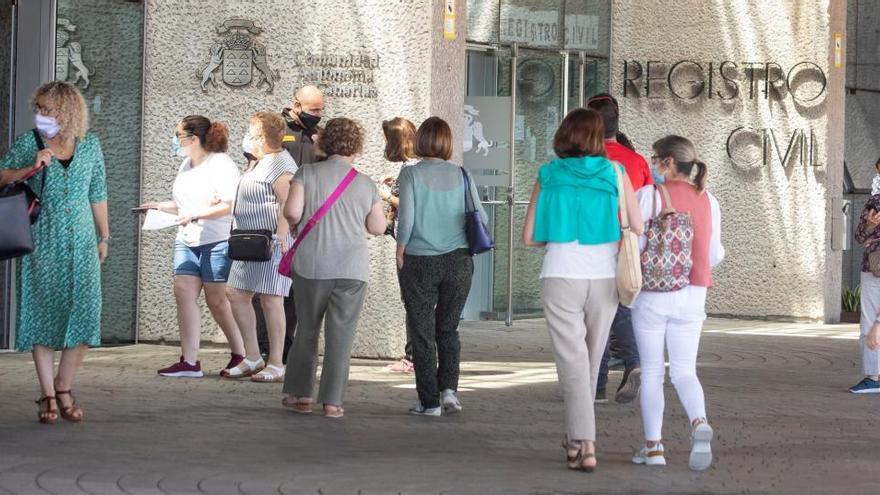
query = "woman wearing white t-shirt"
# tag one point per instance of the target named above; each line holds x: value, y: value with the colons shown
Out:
x: 203, y: 193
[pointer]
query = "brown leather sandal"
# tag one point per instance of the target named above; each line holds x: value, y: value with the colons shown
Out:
x: 47, y: 414
x: 71, y: 413
x: 576, y: 454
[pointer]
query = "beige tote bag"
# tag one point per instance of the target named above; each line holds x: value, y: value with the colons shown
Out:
x: 629, y: 267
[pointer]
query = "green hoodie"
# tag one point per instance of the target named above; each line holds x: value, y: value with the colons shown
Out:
x: 578, y: 201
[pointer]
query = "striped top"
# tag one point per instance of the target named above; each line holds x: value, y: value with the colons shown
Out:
x: 256, y: 207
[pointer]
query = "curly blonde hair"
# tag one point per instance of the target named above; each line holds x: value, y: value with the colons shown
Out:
x: 69, y: 105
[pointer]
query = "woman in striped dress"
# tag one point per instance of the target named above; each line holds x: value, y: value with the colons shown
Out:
x: 258, y: 206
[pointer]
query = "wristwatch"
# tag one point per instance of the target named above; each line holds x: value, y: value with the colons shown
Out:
x: 104, y: 240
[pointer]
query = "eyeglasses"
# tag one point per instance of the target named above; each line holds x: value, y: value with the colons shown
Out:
x: 184, y: 136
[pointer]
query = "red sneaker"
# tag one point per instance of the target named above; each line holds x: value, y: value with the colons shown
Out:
x: 183, y: 369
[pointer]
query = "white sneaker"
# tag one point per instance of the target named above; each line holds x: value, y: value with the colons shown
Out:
x: 420, y: 410
x: 451, y: 404
x: 650, y: 456
x: 701, y: 447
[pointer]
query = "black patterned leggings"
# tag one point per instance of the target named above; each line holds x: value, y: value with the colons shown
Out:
x: 435, y: 289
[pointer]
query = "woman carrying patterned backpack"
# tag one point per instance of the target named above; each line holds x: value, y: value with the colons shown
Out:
x: 671, y: 308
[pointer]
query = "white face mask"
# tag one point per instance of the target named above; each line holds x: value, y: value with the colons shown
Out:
x: 47, y: 126
x: 247, y: 145
x: 251, y: 145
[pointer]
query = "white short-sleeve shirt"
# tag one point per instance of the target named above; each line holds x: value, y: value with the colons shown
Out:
x: 198, y: 188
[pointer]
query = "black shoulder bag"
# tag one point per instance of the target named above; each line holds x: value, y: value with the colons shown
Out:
x: 19, y: 209
x: 248, y: 245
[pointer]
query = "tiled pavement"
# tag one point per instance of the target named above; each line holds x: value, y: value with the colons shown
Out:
x: 776, y: 396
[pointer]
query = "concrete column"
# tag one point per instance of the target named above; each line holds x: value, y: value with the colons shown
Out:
x: 835, y: 145
x: 448, y: 71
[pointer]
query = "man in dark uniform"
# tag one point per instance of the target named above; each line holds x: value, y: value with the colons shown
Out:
x: 302, y: 120
x: 302, y: 124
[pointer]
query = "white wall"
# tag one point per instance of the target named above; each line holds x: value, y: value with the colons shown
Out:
x: 779, y: 261
x: 419, y: 73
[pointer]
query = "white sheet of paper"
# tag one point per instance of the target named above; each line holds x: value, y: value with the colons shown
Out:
x: 156, y: 220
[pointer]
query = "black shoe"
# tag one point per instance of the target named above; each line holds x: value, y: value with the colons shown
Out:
x: 600, y: 397
x: 629, y: 387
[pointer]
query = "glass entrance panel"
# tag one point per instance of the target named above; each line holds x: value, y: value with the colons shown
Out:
x: 99, y: 48
x: 539, y: 110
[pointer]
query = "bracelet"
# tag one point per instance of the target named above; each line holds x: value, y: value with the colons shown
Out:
x: 104, y: 240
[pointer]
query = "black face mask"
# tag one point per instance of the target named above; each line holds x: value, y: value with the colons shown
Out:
x: 309, y: 121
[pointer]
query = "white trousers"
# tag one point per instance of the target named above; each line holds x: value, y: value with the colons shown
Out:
x: 870, y: 314
x: 681, y: 339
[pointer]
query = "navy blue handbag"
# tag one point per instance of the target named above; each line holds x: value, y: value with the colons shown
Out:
x: 479, y: 239
x: 19, y: 209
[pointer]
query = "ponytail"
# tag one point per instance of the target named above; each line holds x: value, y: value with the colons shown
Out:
x: 684, y: 154
x: 217, y: 138
x: 700, y: 178
x: 213, y: 136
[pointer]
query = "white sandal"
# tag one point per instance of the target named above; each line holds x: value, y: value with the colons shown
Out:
x: 244, y: 369
x: 269, y: 374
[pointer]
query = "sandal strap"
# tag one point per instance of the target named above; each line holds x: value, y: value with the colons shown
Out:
x: 279, y: 370
x: 63, y: 392
x: 252, y: 366
x: 45, y: 399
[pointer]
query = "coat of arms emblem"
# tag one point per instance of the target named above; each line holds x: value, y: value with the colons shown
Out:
x: 69, y: 53
x: 237, y: 57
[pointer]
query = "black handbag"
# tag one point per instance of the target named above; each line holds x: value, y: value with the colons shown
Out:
x: 19, y: 209
x: 249, y: 245
x: 478, y: 237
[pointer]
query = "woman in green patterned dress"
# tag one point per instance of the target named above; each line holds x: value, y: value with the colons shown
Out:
x: 59, y: 304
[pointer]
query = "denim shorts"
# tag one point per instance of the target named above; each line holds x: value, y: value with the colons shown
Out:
x: 210, y: 262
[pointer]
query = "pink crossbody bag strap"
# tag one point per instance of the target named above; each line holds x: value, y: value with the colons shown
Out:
x: 285, y: 267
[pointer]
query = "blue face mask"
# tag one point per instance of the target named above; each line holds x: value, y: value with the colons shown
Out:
x: 657, y: 176
x: 176, y: 148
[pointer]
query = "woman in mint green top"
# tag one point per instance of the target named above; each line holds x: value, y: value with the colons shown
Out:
x: 574, y: 213
x: 435, y: 265
x: 60, y: 282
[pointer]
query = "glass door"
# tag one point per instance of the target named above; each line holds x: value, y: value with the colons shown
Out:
x: 524, y: 112
x: 541, y: 80
x: 99, y: 48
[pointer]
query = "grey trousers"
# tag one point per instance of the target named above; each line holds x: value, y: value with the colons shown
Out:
x: 579, y: 315
x: 337, y: 303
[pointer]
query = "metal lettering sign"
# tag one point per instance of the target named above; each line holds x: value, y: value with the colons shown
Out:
x: 69, y: 53
x: 238, y: 56
x: 538, y: 28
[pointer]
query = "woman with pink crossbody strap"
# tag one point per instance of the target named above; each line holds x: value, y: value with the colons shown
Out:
x: 333, y: 208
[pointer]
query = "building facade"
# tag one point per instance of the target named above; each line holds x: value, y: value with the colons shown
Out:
x: 759, y: 86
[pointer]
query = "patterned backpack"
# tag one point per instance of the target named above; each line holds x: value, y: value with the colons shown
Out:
x: 667, y: 259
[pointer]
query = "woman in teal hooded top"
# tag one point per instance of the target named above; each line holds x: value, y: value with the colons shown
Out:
x: 574, y: 213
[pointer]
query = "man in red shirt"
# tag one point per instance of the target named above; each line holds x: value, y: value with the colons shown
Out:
x: 620, y: 150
